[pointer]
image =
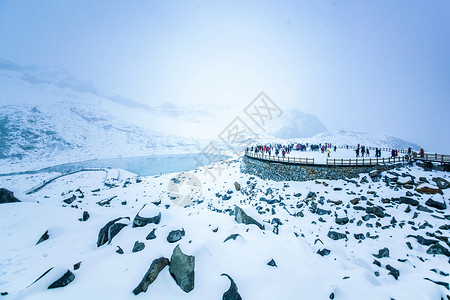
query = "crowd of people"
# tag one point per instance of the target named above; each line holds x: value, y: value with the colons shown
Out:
x: 283, y: 150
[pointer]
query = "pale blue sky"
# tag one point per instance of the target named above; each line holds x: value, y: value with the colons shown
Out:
x: 376, y: 66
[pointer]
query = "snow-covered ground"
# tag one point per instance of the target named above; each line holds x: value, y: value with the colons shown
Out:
x: 349, y: 271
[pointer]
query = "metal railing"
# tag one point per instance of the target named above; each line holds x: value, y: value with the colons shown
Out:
x: 366, y: 161
x: 434, y: 157
x: 281, y: 159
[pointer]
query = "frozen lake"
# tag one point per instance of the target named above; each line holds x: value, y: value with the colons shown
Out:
x: 140, y: 165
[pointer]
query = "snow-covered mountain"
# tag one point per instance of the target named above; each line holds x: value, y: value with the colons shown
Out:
x: 69, y: 131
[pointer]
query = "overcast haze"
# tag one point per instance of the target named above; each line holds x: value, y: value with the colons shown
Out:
x: 371, y: 66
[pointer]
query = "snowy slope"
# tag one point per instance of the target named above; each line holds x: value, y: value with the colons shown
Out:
x: 349, y: 270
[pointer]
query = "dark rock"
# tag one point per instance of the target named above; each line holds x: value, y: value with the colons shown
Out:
x: 311, y: 195
x: 182, y: 269
x: 237, y: 186
x: 423, y: 241
x: 324, y: 252
x: 297, y: 195
x: 356, y: 207
x: 119, y: 250
x: 393, y: 271
x: 232, y: 292
x: 175, y: 235
x: 359, y: 236
x: 322, y: 212
x: 242, y: 218
x: 376, y: 210
x: 441, y: 183
x: 109, y: 231
x: 140, y: 221
x: 422, y: 208
x: 44, y: 237
x: 354, y: 201
x: 382, y: 253
x: 151, y: 235
x: 408, y: 209
x: 7, y: 196
x: 364, y: 180
x: 407, y: 200
x: 375, y: 173
x: 85, y: 217
x: 438, y: 249
x: 376, y: 262
x: 138, y: 246
x: 436, y: 204
x: 232, y: 237
x: 427, y: 189
x: 272, y: 263
x: 336, y: 235
x: 77, y: 265
x: 155, y: 268
x: 409, y: 245
x: 444, y: 284
x: 67, y: 278
x: 70, y: 200
x: 341, y: 221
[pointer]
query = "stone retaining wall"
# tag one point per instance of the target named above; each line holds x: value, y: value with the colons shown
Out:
x: 287, y: 172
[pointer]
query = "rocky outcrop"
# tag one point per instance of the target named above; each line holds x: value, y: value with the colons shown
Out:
x: 110, y: 230
x: 155, y: 268
x: 426, y: 188
x: 175, y: 235
x: 147, y: 215
x: 182, y: 269
x: 232, y: 292
x: 242, y: 218
x: 67, y: 278
x: 7, y: 196
x: 44, y: 237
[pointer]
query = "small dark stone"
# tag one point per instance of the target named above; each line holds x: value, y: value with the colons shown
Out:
x: 332, y: 296
x: 175, y: 235
x: 272, y: 263
x: 67, y: 278
x: 232, y: 292
x: 341, y: 221
x: 409, y: 201
x: 85, y: 216
x: 382, y: 253
x: 409, y: 245
x: 44, y: 237
x: 138, y: 246
x: 322, y: 212
x: 336, y: 235
x: 311, y: 195
x: 376, y: 210
x: 119, y: 250
x: 359, y: 236
x: 232, y: 237
x: 393, y: 271
x: 376, y: 262
x: 323, y: 252
x: 77, y: 265
x: 151, y: 235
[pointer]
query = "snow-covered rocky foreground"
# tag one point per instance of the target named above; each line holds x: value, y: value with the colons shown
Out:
x: 373, y: 237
